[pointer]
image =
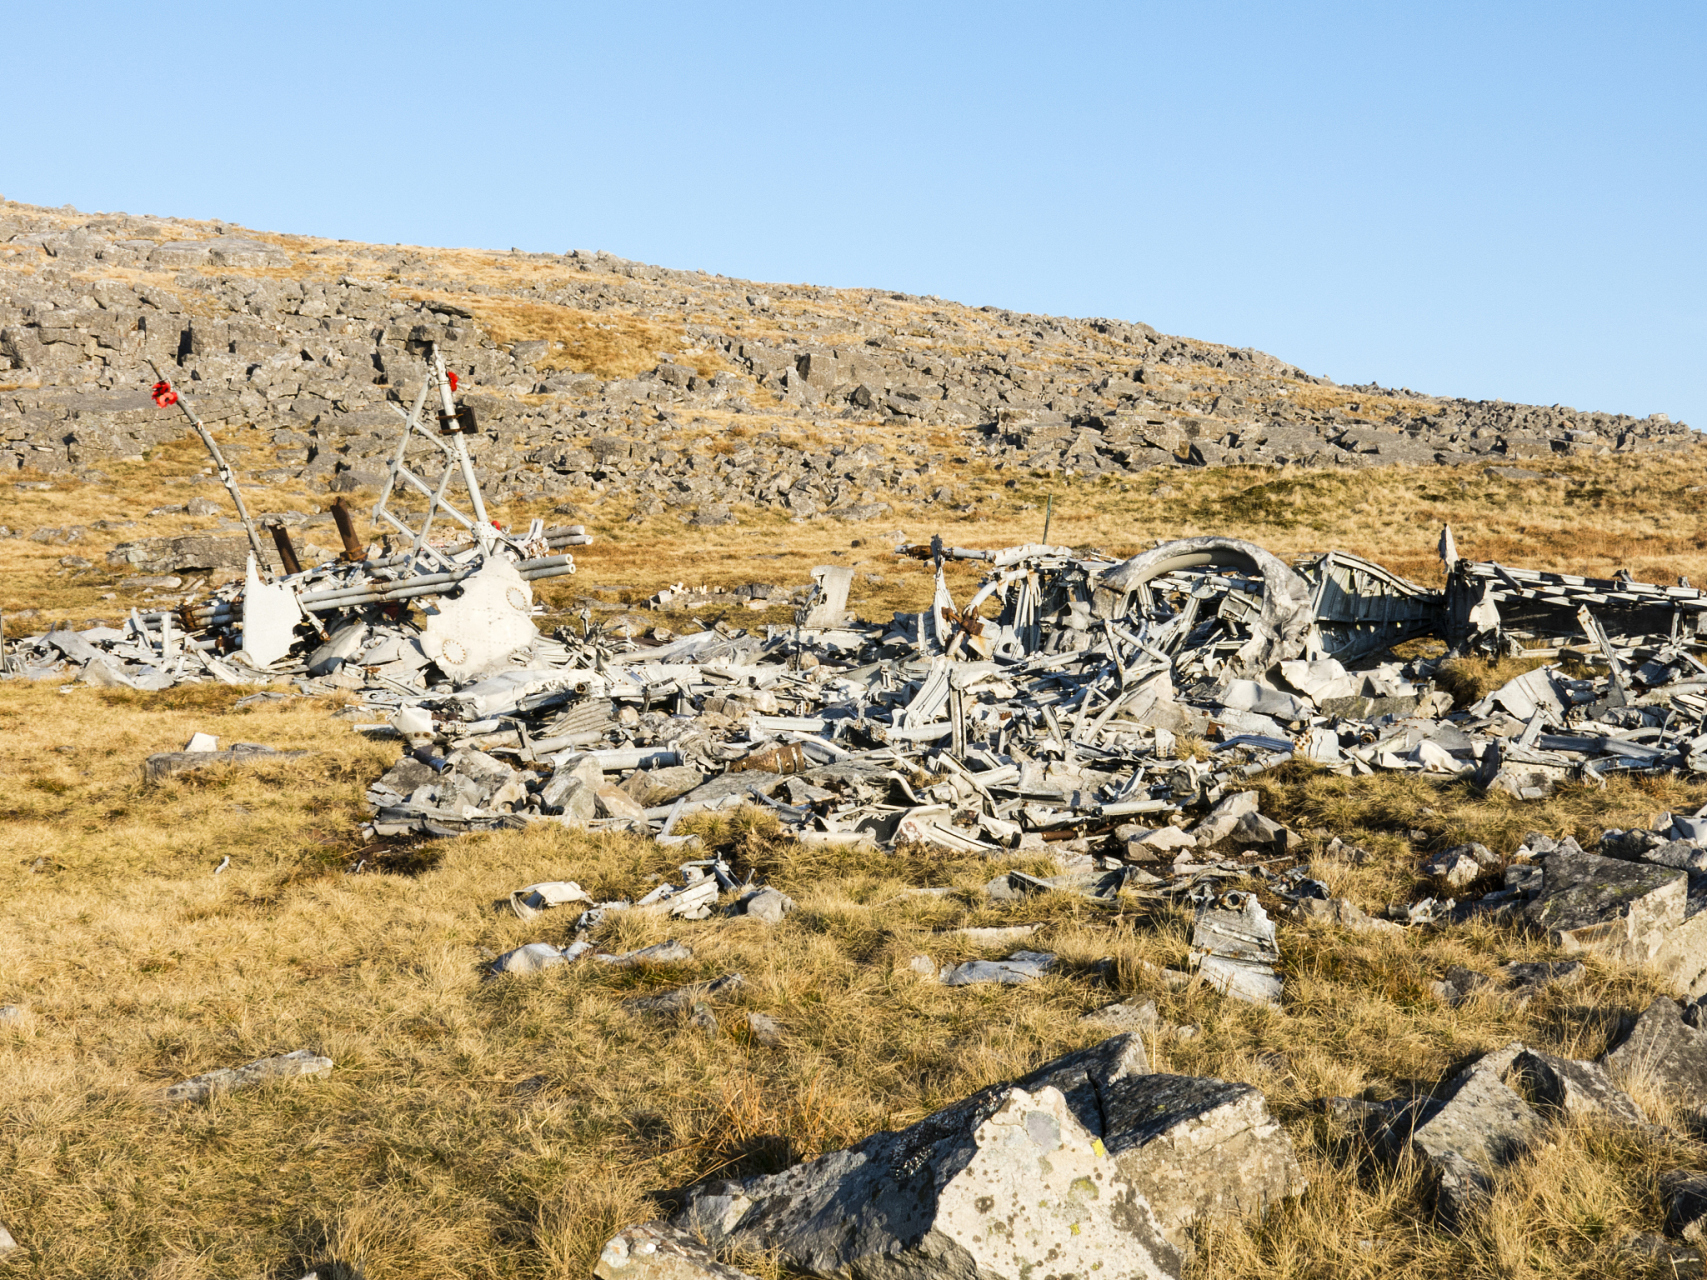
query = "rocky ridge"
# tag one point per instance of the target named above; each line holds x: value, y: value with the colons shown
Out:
x: 590, y: 373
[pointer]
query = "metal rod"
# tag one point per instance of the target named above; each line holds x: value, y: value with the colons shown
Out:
x: 354, y: 551
x: 225, y: 473
x: 483, y: 525
x: 378, y: 593
x: 1048, y: 511
x: 287, y: 552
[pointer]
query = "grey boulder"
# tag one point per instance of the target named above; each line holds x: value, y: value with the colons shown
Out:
x: 1480, y: 1126
x: 1182, y: 1149
x: 1001, y: 1186
x: 1666, y: 1052
x: 1632, y: 911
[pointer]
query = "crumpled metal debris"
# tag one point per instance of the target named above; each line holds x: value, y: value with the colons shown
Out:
x: 1075, y: 704
x: 1233, y: 947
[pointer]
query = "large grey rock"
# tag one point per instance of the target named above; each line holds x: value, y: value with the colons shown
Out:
x: 1192, y: 1148
x: 1002, y: 1186
x: 1663, y: 1050
x: 1631, y: 911
x: 1479, y: 1126
x: 1581, y: 1090
x: 1197, y: 1147
x: 658, y: 1251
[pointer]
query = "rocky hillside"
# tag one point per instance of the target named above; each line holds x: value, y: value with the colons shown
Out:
x: 666, y: 387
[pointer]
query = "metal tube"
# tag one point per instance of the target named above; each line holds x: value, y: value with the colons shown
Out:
x: 225, y: 473
x: 377, y: 593
x: 483, y: 525
x: 287, y: 553
x: 354, y: 551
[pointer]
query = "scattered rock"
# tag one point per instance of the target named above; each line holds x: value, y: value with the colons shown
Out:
x: 1666, y: 1052
x: 1347, y: 915
x: 1021, y: 966
x: 658, y: 1251
x: 1461, y: 864
x: 300, y: 1062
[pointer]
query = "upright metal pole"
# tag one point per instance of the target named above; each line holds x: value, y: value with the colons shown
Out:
x: 224, y: 471
x: 483, y: 526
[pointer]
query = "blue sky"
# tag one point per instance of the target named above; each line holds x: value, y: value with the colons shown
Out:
x: 1490, y: 200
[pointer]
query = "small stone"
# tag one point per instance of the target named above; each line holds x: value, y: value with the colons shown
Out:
x: 1460, y: 865
x: 923, y: 966
x: 764, y: 1030
x: 769, y: 905
x: 657, y: 1251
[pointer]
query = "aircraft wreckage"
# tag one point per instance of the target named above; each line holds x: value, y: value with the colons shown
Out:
x: 1053, y: 698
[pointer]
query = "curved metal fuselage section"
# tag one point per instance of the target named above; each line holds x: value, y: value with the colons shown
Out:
x: 1277, y: 634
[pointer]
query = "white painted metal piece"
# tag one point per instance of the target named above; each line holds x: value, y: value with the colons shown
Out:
x: 833, y: 583
x: 270, y: 615
x: 486, y: 628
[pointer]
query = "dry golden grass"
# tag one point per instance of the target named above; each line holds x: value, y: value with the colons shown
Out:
x: 608, y: 344
x: 506, y: 1128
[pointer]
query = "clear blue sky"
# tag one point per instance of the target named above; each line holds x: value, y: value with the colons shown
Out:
x: 1490, y: 200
